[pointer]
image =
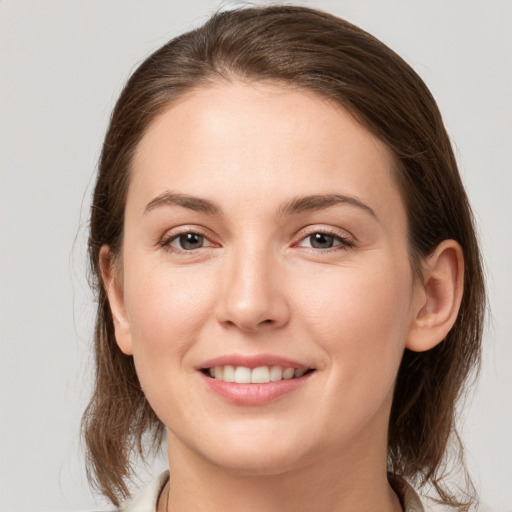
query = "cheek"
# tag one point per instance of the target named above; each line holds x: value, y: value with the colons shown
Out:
x: 360, y: 318
x: 166, y: 311
x: 365, y: 343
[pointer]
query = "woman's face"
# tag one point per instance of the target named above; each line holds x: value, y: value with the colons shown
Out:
x: 264, y: 230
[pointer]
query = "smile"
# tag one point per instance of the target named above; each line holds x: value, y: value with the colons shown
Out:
x: 254, y: 379
x: 258, y: 375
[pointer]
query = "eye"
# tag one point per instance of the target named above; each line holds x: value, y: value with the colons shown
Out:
x: 321, y: 240
x: 188, y: 241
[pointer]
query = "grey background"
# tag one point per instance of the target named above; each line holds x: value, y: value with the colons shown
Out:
x: 62, y: 65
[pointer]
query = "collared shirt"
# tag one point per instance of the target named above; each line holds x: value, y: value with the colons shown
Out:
x: 148, y: 500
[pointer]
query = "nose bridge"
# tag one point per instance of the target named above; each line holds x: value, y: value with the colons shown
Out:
x: 252, y: 297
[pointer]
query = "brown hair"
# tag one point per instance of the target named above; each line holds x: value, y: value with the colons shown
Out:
x: 318, y: 52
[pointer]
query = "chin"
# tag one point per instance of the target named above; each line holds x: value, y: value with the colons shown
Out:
x: 257, y: 462
x: 251, y: 453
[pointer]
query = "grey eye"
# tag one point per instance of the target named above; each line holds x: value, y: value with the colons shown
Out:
x: 321, y: 241
x: 189, y: 241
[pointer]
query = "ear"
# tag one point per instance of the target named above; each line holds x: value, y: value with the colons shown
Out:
x: 114, y: 290
x: 438, y: 297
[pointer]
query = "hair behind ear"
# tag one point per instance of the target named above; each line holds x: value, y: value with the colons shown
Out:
x: 118, y: 414
x: 442, y: 349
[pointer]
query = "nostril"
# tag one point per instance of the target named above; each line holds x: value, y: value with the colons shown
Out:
x: 250, y: 313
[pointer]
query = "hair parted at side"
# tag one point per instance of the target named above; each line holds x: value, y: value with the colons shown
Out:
x: 320, y: 53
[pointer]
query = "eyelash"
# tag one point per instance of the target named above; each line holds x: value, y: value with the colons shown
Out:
x: 344, y: 242
x: 167, y: 241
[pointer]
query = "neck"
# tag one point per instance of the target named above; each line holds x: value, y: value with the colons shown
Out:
x: 353, y: 481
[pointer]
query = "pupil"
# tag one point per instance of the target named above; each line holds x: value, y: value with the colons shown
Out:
x: 321, y: 241
x: 191, y: 241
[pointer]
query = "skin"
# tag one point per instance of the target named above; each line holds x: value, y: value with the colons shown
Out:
x: 258, y: 286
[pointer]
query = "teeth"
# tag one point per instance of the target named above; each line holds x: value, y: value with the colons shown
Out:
x: 276, y: 373
x: 229, y: 373
x: 259, y: 375
x: 243, y: 375
x: 288, y: 373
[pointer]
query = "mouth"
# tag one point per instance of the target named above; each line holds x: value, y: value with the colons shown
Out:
x: 254, y: 379
x: 257, y: 375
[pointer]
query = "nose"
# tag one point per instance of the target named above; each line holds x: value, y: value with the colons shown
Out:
x: 253, y: 294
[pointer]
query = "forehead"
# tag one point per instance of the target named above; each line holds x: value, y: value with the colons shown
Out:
x: 256, y: 141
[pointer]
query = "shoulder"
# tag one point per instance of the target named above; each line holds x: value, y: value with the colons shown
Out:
x: 147, y: 500
x: 409, y: 500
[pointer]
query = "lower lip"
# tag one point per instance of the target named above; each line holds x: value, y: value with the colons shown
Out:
x: 254, y: 394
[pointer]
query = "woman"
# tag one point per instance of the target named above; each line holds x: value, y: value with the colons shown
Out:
x: 288, y: 277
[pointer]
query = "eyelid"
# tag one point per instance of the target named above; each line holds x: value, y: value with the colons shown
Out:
x: 174, y: 233
x: 346, y: 239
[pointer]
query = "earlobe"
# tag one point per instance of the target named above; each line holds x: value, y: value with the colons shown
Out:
x: 114, y: 291
x: 439, y: 297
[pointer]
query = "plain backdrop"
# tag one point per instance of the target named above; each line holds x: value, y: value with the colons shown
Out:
x: 62, y: 66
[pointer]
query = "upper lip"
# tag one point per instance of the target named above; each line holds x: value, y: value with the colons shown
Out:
x: 251, y: 361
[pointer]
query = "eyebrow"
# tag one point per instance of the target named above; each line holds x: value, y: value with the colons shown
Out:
x: 196, y: 204
x: 297, y: 205
x: 320, y: 202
